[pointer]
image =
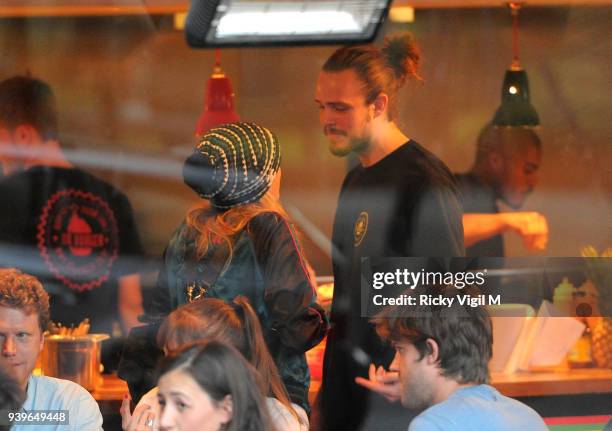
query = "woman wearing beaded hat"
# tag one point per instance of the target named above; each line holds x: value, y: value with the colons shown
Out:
x: 241, y: 242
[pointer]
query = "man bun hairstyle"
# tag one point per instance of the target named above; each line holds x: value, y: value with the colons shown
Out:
x: 403, y: 55
x: 381, y: 70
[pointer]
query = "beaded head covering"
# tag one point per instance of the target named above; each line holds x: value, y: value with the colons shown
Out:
x: 233, y: 164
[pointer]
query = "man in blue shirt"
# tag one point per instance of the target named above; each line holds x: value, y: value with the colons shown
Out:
x: 441, y: 367
x: 24, y: 313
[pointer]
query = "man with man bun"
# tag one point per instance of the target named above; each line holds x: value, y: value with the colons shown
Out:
x: 400, y: 200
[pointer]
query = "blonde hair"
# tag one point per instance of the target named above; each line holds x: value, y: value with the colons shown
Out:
x: 210, y: 224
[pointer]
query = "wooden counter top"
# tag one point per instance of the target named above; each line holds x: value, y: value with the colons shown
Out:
x: 524, y: 384
x: 553, y: 381
x: 558, y: 382
x: 111, y: 389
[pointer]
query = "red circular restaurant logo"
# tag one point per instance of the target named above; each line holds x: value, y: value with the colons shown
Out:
x: 78, y: 238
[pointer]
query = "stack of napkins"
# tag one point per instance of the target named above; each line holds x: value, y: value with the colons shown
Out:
x: 522, y: 341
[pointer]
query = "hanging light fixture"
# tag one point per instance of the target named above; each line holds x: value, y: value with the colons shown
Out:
x: 516, y: 108
x: 219, y: 100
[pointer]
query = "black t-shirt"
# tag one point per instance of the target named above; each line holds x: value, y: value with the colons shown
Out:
x: 74, y: 232
x: 405, y: 205
x: 478, y: 197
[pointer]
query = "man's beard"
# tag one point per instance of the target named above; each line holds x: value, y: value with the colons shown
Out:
x: 355, y: 145
x: 514, y: 200
x: 417, y: 394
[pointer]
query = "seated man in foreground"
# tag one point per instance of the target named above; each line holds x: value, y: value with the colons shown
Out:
x: 24, y: 313
x: 441, y: 366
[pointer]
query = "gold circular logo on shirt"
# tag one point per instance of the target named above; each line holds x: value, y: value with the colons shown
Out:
x: 361, y: 227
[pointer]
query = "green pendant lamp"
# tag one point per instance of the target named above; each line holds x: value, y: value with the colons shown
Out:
x: 516, y: 108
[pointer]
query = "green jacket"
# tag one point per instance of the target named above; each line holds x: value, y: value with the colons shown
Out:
x: 268, y: 267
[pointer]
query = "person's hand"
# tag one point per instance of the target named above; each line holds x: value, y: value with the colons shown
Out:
x: 532, y: 226
x: 383, y: 382
x: 142, y: 419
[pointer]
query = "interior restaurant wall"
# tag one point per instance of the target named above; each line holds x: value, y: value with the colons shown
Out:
x: 130, y: 91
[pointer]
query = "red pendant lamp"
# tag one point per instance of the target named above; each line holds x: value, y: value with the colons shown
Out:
x: 218, y: 101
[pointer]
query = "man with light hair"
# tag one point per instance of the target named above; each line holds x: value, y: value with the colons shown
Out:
x: 400, y: 200
x: 24, y: 314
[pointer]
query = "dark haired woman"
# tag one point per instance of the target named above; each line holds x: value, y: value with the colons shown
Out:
x: 210, y: 387
x: 236, y: 324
